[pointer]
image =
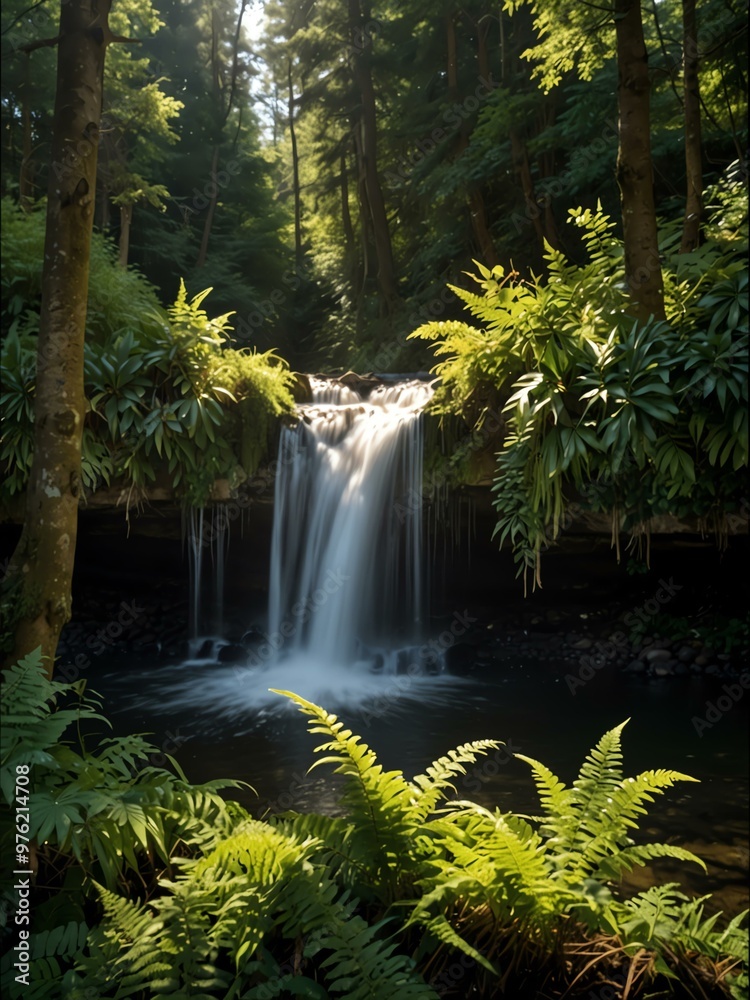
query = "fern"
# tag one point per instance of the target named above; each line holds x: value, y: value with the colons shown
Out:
x: 379, y: 802
x: 387, y: 813
x: 252, y: 885
x: 432, y: 786
x: 229, y: 898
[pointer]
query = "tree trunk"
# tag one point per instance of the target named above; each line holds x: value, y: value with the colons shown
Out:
x: 295, y: 171
x: 350, y: 253
x: 365, y: 224
x: 691, y: 230
x: 41, y: 569
x: 363, y: 80
x: 479, y: 225
x: 25, y: 186
x: 483, y: 29
x: 634, y: 169
x: 126, y: 217
x: 208, y: 224
x: 547, y: 169
x: 477, y: 209
x: 523, y: 169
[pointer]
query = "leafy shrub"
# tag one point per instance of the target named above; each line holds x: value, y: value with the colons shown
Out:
x: 168, y: 398
x: 640, y: 419
x: 105, y: 815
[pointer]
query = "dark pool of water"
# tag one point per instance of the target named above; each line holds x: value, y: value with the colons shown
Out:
x: 218, y: 725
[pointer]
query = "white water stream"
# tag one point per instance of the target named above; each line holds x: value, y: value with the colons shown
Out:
x: 347, y: 574
x: 347, y: 587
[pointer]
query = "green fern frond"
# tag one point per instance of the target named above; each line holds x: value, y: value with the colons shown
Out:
x: 364, y: 967
x: 379, y: 801
x: 553, y: 794
x: 432, y: 786
x: 612, y: 866
x: 438, y: 329
x: 600, y: 775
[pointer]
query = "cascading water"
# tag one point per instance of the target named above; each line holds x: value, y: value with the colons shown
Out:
x: 347, y: 583
x: 347, y: 575
x: 198, y: 535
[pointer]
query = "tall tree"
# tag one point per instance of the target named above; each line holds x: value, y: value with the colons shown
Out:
x: 360, y: 18
x: 41, y: 569
x: 224, y: 83
x: 635, y: 174
x: 691, y: 229
x: 574, y: 37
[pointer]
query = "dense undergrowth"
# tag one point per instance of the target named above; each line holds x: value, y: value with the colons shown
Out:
x: 170, y: 401
x: 148, y: 886
x: 603, y: 411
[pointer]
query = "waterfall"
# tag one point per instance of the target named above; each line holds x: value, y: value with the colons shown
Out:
x: 195, y: 562
x: 347, y: 572
x: 198, y: 535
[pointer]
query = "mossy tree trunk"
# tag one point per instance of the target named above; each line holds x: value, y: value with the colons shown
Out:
x: 40, y: 572
x: 634, y: 168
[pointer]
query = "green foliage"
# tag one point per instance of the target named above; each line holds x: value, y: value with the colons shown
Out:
x: 103, y: 815
x: 381, y: 848
x: 167, y: 395
x: 639, y: 419
x: 723, y: 634
x: 150, y: 887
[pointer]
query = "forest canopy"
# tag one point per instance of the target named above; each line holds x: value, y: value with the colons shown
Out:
x: 329, y: 177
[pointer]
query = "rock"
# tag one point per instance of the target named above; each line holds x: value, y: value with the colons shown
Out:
x: 662, y: 670
x: 583, y: 644
x: 656, y: 655
x: 702, y: 660
x: 724, y: 657
x: 680, y: 669
x: 206, y: 650
x: 253, y: 636
x: 636, y: 667
x: 403, y: 661
x: 301, y: 389
x: 232, y: 653
x: 686, y: 654
x: 713, y: 669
